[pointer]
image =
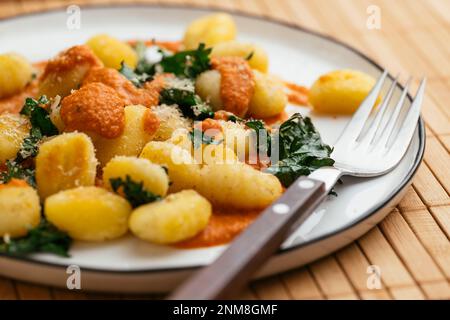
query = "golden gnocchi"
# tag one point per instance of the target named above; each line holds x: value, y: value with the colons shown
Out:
x: 153, y: 177
x: 178, y: 217
x: 257, y: 56
x: 20, y: 209
x: 238, y: 185
x: 64, y: 162
x: 130, y: 143
x: 112, y: 52
x: 210, y: 30
x: 181, y: 167
x: 340, y: 91
x: 66, y: 71
x: 165, y: 147
x: 16, y: 73
x: 268, y: 98
x: 13, y: 129
x: 88, y: 213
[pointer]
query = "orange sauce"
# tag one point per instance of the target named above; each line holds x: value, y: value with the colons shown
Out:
x: 237, y: 85
x: 281, y: 117
x: 94, y: 107
x: 14, y: 183
x: 223, y: 227
x: 297, y: 94
x: 150, y: 122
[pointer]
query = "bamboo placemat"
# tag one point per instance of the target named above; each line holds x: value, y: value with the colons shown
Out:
x: 411, y: 246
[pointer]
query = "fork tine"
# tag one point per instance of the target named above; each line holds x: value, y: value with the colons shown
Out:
x: 356, y: 124
x: 390, y: 124
x: 375, y: 125
x: 403, y: 138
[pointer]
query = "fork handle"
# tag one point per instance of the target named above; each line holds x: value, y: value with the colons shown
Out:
x: 257, y: 243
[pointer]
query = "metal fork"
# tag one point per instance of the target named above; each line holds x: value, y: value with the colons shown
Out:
x: 372, y: 144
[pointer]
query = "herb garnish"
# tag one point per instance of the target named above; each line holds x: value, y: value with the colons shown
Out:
x: 15, y: 170
x: 301, y: 150
x: 198, y: 138
x: 43, y: 238
x: 133, y: 191
x: 190, y: 104
x: 41, y: 126
x: 257, y: 126
x: 138, y: 79
x: 189, y: 63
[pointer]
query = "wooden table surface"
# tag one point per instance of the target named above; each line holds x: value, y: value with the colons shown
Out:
x: 411, y: 246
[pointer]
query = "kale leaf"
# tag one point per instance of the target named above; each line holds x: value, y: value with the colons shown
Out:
x: 189, y: 63
x: 41, y: 125
x: 133, y: 191
x: 301, y: 150
x: 257, y: 126
x: 39, y: 117
x: 190, y: 104
x: 17, y: 171
x: 43, y: 238
x: 137, y: 78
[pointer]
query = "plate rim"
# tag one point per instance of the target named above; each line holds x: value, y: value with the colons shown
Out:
x: 369, y: 213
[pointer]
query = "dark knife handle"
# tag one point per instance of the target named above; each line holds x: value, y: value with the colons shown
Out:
x: 255, y: 245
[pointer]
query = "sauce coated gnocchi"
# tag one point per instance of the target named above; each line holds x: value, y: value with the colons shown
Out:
x: 174, y: 150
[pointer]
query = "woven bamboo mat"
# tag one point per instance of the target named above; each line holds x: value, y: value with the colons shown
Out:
x: 411, y: 246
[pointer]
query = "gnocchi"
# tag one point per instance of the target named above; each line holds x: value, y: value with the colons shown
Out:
x: 207, y: 86
x: 230, y: 183
x: 181, y: 167
x: 171, y: 120
x: 340, y: 91
x: 13, y: 129
x: 20, y: 209
x: 16, y: 73
x: 130, y: 143
x: 66, y: 71
x: 165, y: 147
x: 257, y: 57
x: 210, y: 30
x: 64, y: 162
x: 269, y: 98
x: 112, y: 52
x: 238, y: 185
x: 88, y: 213
x: 153, y: 176
x: 178, y: 217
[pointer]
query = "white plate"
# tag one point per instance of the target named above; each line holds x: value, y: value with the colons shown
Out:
x: 131, y: 265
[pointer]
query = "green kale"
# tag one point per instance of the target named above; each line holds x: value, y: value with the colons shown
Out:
x: 41, y: 126
x: 138, y: 79
x: 39, y: 117
x: 198, y: 138
x: 134, y: 191
x: 262, y: 147
x: 43, y: 238
x: 190, y: 104
x: 235, y: 119
x: 30, y: 145
x: 187, y: 64
x: 301, y: 150
x: 17, y: 171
